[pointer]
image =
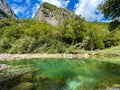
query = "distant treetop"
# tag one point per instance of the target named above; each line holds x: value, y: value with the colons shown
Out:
x: 49, y: 6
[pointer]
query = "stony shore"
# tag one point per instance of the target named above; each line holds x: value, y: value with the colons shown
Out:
x: 30, y: 56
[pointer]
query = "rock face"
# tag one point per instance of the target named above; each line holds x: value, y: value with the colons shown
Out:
x: 52, y: 14
x: 5, y: 10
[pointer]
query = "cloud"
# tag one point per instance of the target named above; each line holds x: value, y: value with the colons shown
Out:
x: 88, y: 9
x: 22, y: 11
x: 28, y: 2
x: 18, y: 9
x: 59, y: 3
x: 17, y: 0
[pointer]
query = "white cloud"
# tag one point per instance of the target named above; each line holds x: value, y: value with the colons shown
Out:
x: 23, y: 10
x: 59, y: 3
x: 18, y: 0
x: 18, y: 9
x: 28, y: 2
x: 88, y: 9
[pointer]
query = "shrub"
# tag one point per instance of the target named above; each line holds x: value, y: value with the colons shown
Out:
x: 113, y: 39
x: 23, y: 45
x: 4, y: 45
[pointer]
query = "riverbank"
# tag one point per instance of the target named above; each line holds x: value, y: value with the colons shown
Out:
x: 30, y: 56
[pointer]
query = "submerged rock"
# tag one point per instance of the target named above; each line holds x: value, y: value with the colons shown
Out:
x: 4, y: 66
x: 23, y: 86
x: 26, y: 78
x: 114, y: 87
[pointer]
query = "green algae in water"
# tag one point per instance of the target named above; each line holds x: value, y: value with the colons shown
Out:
x: 68, y: 74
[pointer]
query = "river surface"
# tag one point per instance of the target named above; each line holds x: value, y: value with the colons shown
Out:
x: 61, y: 74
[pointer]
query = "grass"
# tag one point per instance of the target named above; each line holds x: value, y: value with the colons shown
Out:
x: 97, y: 25
x: 109, y: 51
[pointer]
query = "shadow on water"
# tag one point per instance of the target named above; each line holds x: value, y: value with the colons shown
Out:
x: 65, y: 74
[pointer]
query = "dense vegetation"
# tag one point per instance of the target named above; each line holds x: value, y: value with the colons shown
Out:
x: 49, y: 6
x: 32, y: 36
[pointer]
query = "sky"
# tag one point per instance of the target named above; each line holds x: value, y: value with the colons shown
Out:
x: 85, y: 8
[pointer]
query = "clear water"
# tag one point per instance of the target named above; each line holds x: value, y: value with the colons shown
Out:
x: 64, y: 74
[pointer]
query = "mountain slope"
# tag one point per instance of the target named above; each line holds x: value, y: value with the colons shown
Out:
x: 52, y: 14
x: 5, y: 10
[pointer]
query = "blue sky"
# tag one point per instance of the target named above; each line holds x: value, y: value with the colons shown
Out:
x: 86, y: 8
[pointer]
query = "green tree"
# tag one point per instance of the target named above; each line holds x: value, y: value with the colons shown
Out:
x: 5, y: 45
x: 12, y: 32
x: 111, y: 8
x: 113, y: 39
x: 73, y: 30
x: 95, y: 40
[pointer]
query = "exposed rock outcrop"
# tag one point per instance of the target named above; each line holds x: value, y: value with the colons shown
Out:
x: 52, y: 14
x: 5, y: 10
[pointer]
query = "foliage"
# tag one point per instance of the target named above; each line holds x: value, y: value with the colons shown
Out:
x: 4, y: 44
x: 32, y: 36
x: 13, y: 32
x: 111, y: 8
x: 97, y: 32
x: 73, y: 30
x: 23, y: 45
x: 49, y: 6
x: 114, y: 25
x: 95, y: 40
x: 113, y: 39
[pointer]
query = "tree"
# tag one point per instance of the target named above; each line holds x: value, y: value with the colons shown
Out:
x: 95, y: 40
x: 111, y: 9
x: 73, y: 30
x: 113, y: 39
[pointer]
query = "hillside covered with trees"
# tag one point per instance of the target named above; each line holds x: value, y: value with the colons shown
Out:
x: 72, y: 36
x: 32, y: 36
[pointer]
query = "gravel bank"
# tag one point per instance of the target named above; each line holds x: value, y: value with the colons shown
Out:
x: 30, y: 56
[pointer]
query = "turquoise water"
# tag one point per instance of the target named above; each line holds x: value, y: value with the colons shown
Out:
x: 64, y: 74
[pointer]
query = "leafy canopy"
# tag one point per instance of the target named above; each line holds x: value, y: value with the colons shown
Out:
x: 111, y: 9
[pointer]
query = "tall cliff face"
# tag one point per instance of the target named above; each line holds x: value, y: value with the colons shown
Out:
x: 5, y: 10
x: 52, y: 14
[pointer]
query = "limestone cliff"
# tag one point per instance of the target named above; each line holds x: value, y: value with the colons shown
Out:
x: 52, y: 14
x: 5, y: 10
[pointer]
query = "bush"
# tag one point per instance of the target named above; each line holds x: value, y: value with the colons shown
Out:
x: 32, y: 36
x: 113, y: 39
x: 95, y: 40
x: 13, y: 32
x: 4, y: 45
x: 23, y: 45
